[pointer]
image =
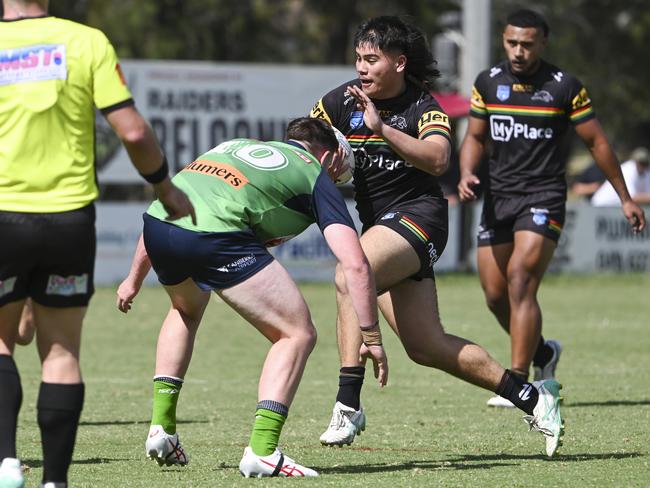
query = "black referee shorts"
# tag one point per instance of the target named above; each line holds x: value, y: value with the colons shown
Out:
x: 49, y: 257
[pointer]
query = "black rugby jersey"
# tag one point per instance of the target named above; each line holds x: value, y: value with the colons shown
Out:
x: 528, y: 120
x: 381, y: 177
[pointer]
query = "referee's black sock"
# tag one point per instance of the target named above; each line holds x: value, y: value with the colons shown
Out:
x: 521, y: 393
x: 11, y: 397
x: 59, y: 408
x: 350, y: 383
x: 543, y: 353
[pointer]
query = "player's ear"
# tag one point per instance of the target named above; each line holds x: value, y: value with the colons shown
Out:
x: 324, y: 157
x: 400, y: 63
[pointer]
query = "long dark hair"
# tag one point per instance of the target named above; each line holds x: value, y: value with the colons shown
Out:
x: 391, y: 34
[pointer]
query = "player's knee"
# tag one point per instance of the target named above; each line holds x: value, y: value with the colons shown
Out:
x: 496, y: 300
x: 422, y: 355
x: 521, y: 284
x: 308, y: 336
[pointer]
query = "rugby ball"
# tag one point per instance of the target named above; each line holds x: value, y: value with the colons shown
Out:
x: 348, y: 162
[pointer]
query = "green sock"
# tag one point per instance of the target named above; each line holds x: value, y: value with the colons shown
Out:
x: 266, y: 431
x: 165, y: 397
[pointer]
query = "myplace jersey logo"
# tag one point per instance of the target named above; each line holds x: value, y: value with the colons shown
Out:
x: 504, y: 128
x: 33, y: 63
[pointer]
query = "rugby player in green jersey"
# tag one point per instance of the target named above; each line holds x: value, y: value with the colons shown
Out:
x: 249, y: 195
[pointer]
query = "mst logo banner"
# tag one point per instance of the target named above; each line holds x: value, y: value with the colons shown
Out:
x: 504, y: 128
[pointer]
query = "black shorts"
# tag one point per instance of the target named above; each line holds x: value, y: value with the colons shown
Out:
x: 424, y: 223
x: 542, y: 213
x: 49, y: 257
x: 214, y: 260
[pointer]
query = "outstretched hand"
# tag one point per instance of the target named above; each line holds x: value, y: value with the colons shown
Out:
x: 371, y: 116
x: 379, y: 361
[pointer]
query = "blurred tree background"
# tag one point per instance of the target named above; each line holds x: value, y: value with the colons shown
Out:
x: 603, y: 42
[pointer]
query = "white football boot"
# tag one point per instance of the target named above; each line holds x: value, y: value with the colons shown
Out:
x: 546, y: 417
x: 275, y: 464
x: 165, y: 449
x: 11, y: 474
x: 346, y: 423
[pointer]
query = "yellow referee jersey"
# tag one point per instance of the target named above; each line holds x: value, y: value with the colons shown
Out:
x: 52, y: 74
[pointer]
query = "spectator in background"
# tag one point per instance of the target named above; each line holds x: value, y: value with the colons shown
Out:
x: 54, y: 72
x: 588, y: 181
x: 636, y: 172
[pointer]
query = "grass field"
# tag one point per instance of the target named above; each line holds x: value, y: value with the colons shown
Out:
x: 424, y: 429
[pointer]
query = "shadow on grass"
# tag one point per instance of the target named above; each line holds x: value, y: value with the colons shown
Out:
x: 92, y: 423
x: 541, y: 457
x: 466, y: 462
x: 38, y: 463
x: 610, y: 403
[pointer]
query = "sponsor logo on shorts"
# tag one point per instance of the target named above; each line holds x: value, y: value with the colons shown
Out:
x: 485, y: 234
x: 239, y: 264
x: 223, y: 171
x: 67, y: 285
x: 7, y: 286
x: 433, y: 254
x: 540, y: 215
x: 356, y: 120
x: 503, y: 92
x: 388, y: 216
x: 503, y: 128
x: 40, y: 62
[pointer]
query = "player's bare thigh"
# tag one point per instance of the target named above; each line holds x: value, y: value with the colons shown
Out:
x: 391, y: 257
x: 411, y: 309
x: 409, y: 306
x: 530, y: 258
x: 271, y: 301
x: 493, y: 269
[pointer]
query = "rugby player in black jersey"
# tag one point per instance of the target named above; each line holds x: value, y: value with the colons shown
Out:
x: 401, y: 139
x: 521, y: 114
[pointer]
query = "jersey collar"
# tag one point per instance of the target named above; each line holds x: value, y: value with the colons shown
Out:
x: 294, y: 143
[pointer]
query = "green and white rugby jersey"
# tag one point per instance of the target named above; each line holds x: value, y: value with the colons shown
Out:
x: 276, y: 189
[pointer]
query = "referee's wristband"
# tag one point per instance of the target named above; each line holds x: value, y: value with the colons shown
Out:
x: 159, y: 175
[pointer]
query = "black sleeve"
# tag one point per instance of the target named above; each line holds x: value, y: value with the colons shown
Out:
x: 328, y: 204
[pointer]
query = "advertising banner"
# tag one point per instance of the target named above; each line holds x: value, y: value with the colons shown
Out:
x: 193, y: 106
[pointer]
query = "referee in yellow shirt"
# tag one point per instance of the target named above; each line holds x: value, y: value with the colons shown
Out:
x: 53, y: 72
